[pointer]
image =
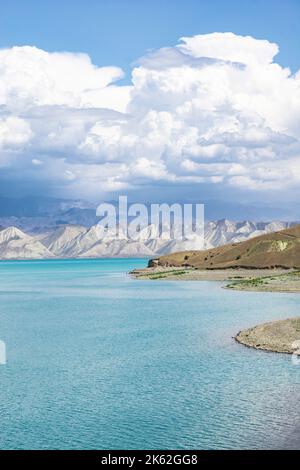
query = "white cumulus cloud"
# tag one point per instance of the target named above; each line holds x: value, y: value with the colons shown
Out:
x: 214, y: 109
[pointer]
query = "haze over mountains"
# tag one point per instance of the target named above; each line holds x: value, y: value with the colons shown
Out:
x: 78, y: 241
x: 38, y: 215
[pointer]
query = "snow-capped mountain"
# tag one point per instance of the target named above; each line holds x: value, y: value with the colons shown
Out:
x: 15, y: 244
x: 60, y: 242
x: 77, y: 241
x: 225, y: 231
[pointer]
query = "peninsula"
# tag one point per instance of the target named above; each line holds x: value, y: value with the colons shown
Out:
x: 270, y: 262
x: 281, y: 336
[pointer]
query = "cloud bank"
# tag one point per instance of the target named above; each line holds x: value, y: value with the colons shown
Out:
x: 214, y: 111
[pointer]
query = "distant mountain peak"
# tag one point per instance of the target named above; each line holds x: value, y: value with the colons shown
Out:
x: 12, y: 233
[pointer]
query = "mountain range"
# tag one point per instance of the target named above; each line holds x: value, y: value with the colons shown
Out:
x: 79, y: 241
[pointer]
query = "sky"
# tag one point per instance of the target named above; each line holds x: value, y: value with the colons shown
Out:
x: 118, y: 32
x: 99, y: 98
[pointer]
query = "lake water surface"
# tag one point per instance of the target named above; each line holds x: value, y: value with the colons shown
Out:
x: 99, y: 360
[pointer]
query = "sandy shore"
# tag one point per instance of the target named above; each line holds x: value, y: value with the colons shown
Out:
x: 260, y: 280
x: 188, y: 274
x: 278, y: 336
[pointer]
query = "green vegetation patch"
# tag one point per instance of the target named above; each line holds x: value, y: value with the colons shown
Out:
x: 256, y: 282
x: 263, y: 281
x: 166, y: 275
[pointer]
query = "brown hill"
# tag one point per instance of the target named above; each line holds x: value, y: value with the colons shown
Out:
x: 274, y: 250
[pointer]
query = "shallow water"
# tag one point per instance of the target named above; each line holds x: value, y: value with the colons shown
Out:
x: 99, y: 360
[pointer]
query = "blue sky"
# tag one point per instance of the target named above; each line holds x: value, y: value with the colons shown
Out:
x: 120, y: 31
x: 107, y: 100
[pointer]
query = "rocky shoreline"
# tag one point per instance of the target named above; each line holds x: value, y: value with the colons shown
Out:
x: 281, y: 336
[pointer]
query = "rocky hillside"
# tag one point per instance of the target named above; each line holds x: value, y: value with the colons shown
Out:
x: 279, y: 249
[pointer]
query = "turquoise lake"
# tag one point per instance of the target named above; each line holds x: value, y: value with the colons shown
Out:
x: 97, y: 360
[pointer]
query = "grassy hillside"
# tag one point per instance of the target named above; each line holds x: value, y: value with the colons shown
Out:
x: 274, y: 250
